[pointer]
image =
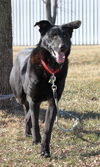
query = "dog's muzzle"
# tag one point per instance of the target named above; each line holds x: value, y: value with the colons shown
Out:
x: 59, y: 57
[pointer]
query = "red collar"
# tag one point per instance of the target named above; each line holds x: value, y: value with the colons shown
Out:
x: 47, y: 69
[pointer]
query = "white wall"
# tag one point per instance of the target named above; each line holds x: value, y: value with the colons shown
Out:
x: 26, y: 12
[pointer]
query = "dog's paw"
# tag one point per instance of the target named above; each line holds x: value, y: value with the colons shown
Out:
x: 45, y: 150
x: 28, y: 134
x: 36, y: 141
x: 45, y: 154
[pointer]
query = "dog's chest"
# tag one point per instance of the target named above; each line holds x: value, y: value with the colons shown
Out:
x: 41, y: 91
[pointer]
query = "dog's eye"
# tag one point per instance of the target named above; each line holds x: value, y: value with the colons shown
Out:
x: 54, y: 35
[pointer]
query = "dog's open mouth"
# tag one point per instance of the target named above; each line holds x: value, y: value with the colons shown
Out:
x: 59, y: 56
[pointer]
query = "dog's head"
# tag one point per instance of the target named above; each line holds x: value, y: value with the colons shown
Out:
x: 57, y: 39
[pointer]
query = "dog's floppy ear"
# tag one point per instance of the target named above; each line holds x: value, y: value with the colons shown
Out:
x: 44, y: 26
x: 72, y: 25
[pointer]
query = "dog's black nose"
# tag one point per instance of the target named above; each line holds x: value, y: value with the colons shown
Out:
x: 62, y: 48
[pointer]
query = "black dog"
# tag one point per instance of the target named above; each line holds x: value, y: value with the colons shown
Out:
x: 31, y: 73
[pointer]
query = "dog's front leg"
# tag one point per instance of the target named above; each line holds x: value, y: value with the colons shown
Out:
x: 49, y: 121
x: 34, y: 112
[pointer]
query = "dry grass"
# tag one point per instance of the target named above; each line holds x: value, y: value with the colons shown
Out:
x: 81, y: 97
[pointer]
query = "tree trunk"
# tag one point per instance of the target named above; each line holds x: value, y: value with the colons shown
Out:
x: 5, y: 48
x: 51, y: 16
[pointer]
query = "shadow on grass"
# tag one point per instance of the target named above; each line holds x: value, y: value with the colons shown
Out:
x: 90, y: 154
x: 83, y: 116
x: 17, y: 110
x: 87, y: 115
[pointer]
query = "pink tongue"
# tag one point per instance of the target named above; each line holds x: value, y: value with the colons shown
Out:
x: 60, y: 57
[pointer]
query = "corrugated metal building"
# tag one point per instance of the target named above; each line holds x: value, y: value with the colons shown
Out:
x: 26, y: 12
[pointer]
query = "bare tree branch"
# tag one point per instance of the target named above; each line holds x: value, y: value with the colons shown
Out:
x: 54, y: 11
x: 48, y: 10
x: 44, y: 1
x: 51, y: 17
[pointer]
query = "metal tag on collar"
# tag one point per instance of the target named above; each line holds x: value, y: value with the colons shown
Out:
x: 54, y: 87
x: 52, y: 79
